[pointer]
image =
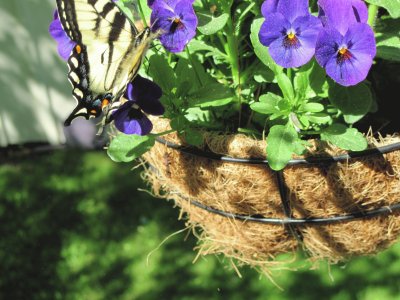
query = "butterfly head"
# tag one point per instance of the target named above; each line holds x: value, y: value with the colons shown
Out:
x: 96, y: 107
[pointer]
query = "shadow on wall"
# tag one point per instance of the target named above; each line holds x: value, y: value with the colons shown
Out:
x: 35, y: 93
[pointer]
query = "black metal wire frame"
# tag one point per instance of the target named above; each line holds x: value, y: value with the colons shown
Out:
x: 289, y: 221
x: 298, y: 161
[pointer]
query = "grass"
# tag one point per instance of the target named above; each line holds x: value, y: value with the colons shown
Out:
x: 75, y: 226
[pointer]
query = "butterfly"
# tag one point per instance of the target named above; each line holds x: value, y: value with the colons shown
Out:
x: 107, y: 56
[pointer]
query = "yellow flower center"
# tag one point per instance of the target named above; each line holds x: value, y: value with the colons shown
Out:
x: 343, y: 51
x: 291, y: 36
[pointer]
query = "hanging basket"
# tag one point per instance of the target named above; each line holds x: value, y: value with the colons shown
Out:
x: 332, y: 204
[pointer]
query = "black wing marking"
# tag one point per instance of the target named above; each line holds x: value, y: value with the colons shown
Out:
x: 88, y: 105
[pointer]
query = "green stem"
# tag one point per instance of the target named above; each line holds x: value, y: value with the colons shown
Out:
x: 289, y: 74
x: 193, y: 65
x: 142, y: 14
x: 232, y: 49
x: 372, y: 14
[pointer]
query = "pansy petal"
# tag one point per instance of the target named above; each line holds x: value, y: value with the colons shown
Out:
x: 290, y: 57
x: 146, y: 94
x: 176, y: 21
x: 65, y: 44
x: 176, y: 42
x: 360, y: 10
x: 361, y: 40
x: 350, y: 72
x: 130, y: 120
x: 65, y: 49
x: 327, y: 45
x: 339, y: 14
x: 292, y: 9
x: 272, y: 28
x: 269, y: 6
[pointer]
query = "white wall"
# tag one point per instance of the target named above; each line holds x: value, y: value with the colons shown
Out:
x: 35, y: 95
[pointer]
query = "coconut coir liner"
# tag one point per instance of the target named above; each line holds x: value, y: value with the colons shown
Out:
x: 317, y: 191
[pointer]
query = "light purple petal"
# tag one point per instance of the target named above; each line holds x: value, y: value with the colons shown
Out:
x: 360, y: 10
x: 272, y: 28
x: 350, y: 72
x: 361, y: 46
x: 361, y: 40
x: 339, y: 14
x: 298, y: 53
x: 269, y: 6
x: 293, y: 9
x: 290, y: 57
x: 65, y: 44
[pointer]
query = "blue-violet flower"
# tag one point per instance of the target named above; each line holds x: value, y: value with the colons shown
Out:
x: 290, y: 31
x: 143, y: 97
x: 176, y: 22
x: 346, y: 45
x: 65, y: 44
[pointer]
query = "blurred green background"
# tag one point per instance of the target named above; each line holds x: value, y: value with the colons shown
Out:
x: 74, y: 225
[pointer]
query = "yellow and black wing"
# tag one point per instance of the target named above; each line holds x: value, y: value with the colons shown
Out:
x: 108, y: 54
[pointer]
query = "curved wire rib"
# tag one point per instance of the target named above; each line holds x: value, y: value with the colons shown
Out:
x: 298, y: 221
x: 300, y: 161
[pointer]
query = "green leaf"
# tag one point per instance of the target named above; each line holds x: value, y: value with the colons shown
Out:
x: 193, y: 137
x: 388, y: 39
x: 196, y: 45
x: 208, y: 24
x: 353, y: 101
x: 268, y: 104
x: 263, y: 75
x: 310, y: 81
x: 286, y: 86
x: 125, y: 148
x: 345, y: 138
x: 146, y: 9
x: 319, y: 118
x: 281, y: 143
x: 312, y: 107
x: 392, y: 6
x: 260, y: 50
x: 162, y: 73
x: 214, y: 94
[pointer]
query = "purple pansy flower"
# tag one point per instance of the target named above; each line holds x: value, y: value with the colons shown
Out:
x: 346, y: 45
x: 360, y: 11
x: 175, y: 20
x: 65, y: 44
x: 290, y: 31
x: 143, y: 96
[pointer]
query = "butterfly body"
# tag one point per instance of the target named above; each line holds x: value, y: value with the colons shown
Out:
x: 108, y: 53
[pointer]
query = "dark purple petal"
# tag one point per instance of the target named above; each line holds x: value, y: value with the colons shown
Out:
x: 338, y: 14
x: 328, y: 42
x: 130, y: 120
x: 65, y: 44
x: 360, y: 10
x: 293, y: 9
x: 146, y: 94
x: 269, y: 6
x: 272, y: 28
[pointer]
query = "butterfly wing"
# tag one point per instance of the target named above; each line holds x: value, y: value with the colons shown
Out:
x: 112, y: 47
